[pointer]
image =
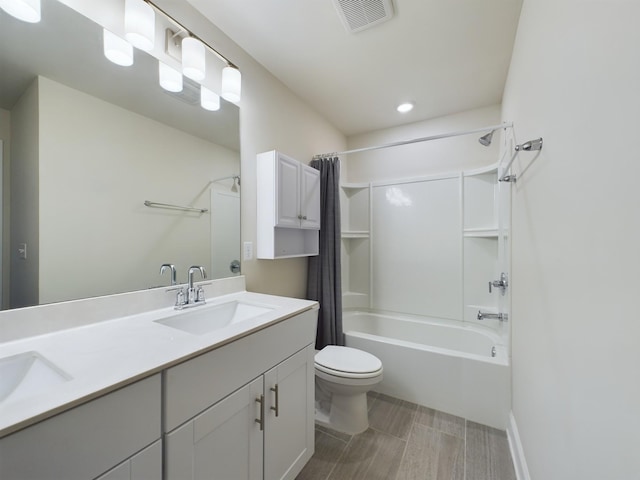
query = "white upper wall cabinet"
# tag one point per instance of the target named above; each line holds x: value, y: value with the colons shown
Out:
x: 288, y: 195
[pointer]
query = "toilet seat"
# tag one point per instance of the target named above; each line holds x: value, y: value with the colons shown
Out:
x: 347, y: 362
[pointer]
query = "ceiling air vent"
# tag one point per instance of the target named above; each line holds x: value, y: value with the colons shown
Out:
x: 357, y: 15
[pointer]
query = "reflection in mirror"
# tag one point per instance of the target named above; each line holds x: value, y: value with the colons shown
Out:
x: 85, y: 144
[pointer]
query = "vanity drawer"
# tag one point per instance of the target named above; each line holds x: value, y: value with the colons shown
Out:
x: 193, y: 386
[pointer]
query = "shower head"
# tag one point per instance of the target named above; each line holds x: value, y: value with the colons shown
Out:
x: 486, y: 139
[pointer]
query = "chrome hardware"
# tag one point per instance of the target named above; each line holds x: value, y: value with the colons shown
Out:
x: 191, y: 296
x: 493, y: 351
x: 530, y: 146
x: 502, y: 284
x: 508, y: 178
x: 235, y: 266
x: 503, y: 317
x: 276, y: 408
x: 172, y: 268
x: 300, y: 217
x: 260, y: 420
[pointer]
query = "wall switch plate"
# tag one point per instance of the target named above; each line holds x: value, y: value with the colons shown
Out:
x: 22, y: 251
x: 247, y: 251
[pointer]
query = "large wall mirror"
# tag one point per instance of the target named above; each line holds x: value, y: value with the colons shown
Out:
x: 85, y: 143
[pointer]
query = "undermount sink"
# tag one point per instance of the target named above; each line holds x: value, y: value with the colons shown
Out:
x: 27, y: 374
x: 206, y: 319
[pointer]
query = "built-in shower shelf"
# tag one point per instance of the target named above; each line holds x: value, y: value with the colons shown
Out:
x: 355, y: 234
x: 355, y: 300
x: 481, y: 232
x: 354, y: 186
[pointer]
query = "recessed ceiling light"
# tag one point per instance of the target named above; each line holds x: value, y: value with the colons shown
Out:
x: 405, y: 107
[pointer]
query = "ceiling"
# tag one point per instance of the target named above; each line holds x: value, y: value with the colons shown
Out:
x: 446, y: 56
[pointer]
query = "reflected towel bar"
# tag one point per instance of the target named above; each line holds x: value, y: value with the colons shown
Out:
x: 174, y: 207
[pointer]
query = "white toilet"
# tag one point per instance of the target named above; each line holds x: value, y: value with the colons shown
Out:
x: 344, y: 375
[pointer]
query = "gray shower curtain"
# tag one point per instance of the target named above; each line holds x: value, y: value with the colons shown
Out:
x: 324, y: 278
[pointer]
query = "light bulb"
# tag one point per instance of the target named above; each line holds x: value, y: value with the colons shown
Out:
x: 170, y: 78
x: 405, y: 107
x: 25, y: 10
x: 193, y: 61
x: 231, y: 84
x: 139, y: 24
x: 209, y: 100
x: 117, y: 49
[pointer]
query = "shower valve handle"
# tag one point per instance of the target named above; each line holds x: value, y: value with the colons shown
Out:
x: 502, y: 284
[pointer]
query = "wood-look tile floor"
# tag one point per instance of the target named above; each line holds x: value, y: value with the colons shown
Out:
x: 406, y: 441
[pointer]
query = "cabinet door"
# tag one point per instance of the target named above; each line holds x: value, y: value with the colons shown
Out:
x: 146, y: 465
x: 289, y: 429
x: 288, y: 192
x: 310, y: 197
x: 223, y: 442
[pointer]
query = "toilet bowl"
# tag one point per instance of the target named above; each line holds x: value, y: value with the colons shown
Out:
x: 344, y: 375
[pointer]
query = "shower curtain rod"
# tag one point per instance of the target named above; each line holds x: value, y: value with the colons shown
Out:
x: 417, y: 140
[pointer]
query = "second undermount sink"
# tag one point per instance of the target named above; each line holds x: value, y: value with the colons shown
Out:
x: 27, y: 374
x: 206, y: 319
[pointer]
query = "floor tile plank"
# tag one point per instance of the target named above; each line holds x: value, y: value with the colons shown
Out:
x: 391, y: 415
x: 371, y: 455
x: 328, y: 450
x: 487, y: 455
x: 443, y: 422
x: 432, y: 455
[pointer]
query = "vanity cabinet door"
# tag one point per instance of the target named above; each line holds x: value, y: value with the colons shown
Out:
x: 223, y: 442
x: 146, y: 465
x: 289, y: 426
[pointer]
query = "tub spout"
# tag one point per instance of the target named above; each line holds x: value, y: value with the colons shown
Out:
x: 503, y: 317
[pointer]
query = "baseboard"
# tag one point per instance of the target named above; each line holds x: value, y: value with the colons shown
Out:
x: 517, y: 453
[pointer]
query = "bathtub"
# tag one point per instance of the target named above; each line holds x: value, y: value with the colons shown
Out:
x: 446, y: 365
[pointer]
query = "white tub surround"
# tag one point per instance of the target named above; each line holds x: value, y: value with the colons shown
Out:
x: 100, y: 345
x: 440, y: 364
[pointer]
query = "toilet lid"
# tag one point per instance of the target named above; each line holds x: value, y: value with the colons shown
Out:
x: 346, y: 359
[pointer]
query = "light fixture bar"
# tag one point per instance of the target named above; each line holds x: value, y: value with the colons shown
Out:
x: 191, y: 34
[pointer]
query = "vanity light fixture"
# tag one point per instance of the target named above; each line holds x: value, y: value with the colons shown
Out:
x: 193, y: 59
x: 405, y: 107
x: 139, y: 24
x: 25, y: 10
x: 170, y: 79
x: 231, y: 84
x: 117, y: 49
x: 209, y: 100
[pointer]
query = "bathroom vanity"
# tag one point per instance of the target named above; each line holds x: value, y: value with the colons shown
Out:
x: 223, y: 390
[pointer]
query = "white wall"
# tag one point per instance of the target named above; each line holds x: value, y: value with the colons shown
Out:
x: 446, y: 155
x: 271, y: 117
x: 575, y: 80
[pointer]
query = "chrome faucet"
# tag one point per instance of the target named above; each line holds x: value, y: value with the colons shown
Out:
x: 191, y: 296
x: 172, y: 269
x: 503, y: 317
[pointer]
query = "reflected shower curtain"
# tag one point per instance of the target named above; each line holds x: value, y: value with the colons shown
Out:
x: 324, y: 282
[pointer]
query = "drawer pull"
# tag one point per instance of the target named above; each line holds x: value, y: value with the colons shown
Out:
x: 276, y: 408
x: 260, y: 420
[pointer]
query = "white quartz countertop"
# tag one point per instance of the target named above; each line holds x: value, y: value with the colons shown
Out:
x: 104, y: 356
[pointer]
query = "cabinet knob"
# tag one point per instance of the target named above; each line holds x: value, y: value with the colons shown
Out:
x: 304, y: 217
x: 299, y: 217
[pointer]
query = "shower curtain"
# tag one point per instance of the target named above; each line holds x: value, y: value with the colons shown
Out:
x: 324, y: 277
